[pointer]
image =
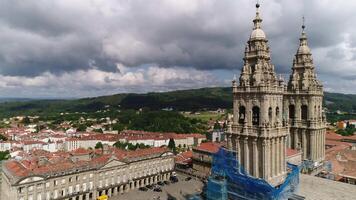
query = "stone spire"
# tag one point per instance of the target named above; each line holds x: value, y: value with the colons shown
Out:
x: 258, y: 69
x: 303, y: 76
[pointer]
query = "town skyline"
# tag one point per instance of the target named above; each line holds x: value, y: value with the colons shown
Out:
x: 100, y: 48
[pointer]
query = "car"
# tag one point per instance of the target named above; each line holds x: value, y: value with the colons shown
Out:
x: 143, y: 189
x: 160, y: 183
x: 157, y: 189
x: 173, y: 179
x: 188, y: 178
x: 149, y: 187
x: 166, y: 182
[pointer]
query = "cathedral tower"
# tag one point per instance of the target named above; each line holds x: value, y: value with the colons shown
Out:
x: 259, y: 133
x: 303, y: 106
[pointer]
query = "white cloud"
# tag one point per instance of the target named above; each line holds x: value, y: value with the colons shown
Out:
x: 93, y: 82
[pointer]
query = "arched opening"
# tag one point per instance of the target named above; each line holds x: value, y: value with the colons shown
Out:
x: 242, y: 114
x: 304, y: 113
x: 291, y: 111
x: 277, y: 112
x: 270, y: 113
x: 255, y: 115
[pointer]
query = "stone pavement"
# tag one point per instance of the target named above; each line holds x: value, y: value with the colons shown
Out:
x: 177, y: 190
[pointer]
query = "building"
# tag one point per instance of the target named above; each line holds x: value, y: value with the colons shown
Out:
x: 203, y: 157
x: 84, y: 174
x: 303, y: 106
x: 270, y: 115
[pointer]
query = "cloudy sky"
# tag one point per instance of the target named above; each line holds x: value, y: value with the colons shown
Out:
x: 80, y: 48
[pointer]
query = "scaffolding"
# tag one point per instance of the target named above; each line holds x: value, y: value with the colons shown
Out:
x: 230, y: 181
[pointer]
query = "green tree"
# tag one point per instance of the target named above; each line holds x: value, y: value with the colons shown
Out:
x: 99, y: 130
x: 3, y: 138
x: 4, y: 155
x: 172, y: 145
x: 99, y: 145
x: 26, y: 120
x: 81, y: 128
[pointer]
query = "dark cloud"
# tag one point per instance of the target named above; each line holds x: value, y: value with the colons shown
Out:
x: 59, y: 37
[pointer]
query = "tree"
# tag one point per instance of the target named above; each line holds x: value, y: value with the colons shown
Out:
x: 26, y: 120
x: 3, y: 138
x: 99, y: 145
x: 217, y: 126
x: 99, y: 130
x: 172, y: 145
x: 81, y: 128
x: 4, y: 155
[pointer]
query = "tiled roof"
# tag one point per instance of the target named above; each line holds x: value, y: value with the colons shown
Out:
x: 210, y: 147
x: 60, y: 162
x: 291, y: 152
x: 184, y: 158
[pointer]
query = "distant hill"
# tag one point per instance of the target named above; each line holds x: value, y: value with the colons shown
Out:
x: 194, y: 99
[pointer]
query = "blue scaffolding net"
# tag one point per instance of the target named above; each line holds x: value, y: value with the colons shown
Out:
x: 230, y: 181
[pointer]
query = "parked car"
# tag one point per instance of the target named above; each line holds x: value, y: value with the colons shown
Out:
x: 150, y: 187
x: 143, y: 189
x: 157, y: 189
x: 188, y: 178
x: 173, y: 179
x: 166, y: 182
x: 160, y: 183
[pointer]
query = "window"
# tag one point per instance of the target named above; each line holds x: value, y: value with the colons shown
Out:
x: 47, y: 184
x: 304, y: 112
x: 277, y: 112
x: 255, y: 115
x: 21, y: 189
x: 55, y: 182
x: 70, y: 179
x: 91, y: 175
x: 291, y: 111
x: 270, y: 114
x: 30, y: 188
x: 242, y: 114
x: 63, y: 181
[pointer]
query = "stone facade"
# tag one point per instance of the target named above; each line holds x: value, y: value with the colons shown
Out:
x: 111, y: 177
x: 303, y: 106
x: 263, y: 115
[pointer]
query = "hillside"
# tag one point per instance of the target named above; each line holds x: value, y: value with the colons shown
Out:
x: 195, y: 99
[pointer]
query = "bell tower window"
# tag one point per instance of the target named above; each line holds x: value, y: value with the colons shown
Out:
x: 304, y: 113
x: 242, y: 114
x: 291, y: 111
x: 255, y: 115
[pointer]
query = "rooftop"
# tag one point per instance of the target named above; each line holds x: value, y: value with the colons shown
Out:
x: 315, y: 188
x: 210, y: 147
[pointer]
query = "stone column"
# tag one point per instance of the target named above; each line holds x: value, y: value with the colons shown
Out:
x: 304, y: 144
x: 246, y: 156
x: 268, y: 157
x: 238, y: 149
x: 281, y: 156
x: 255, y: 161
x: 121, y: 189
x: 109, y: 192
x: 127, y: 187
x: 272, y: 155
x: 115, y: 191
x: 264, y: 159
x: 312, y: 146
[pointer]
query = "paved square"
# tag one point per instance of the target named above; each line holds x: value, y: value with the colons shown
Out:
x: 178, y: 190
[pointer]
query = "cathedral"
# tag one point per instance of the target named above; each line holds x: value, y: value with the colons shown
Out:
x: 271, y: 115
